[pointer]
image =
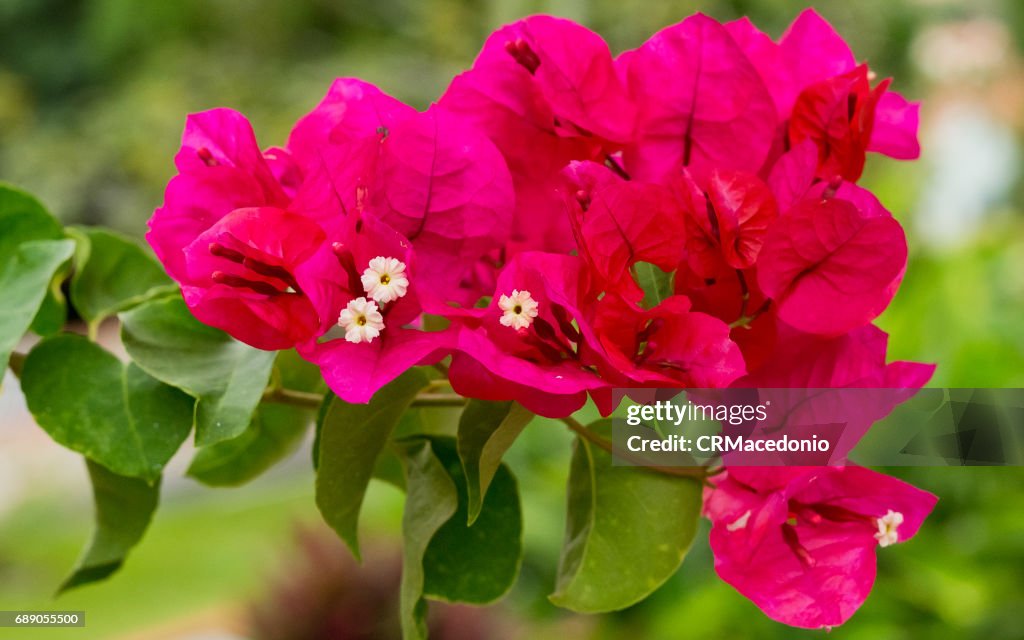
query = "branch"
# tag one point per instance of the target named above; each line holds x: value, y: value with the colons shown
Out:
x: 744, y: 321
x: 314, y: 400
x: 613, y: 164
x: 281, y: 395
x: 438, y: 400
x: 696, y: 473
x: 587, y: 434
x: 16, y: 362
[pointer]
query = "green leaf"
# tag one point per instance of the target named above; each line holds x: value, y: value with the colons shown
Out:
x: 24, y: 279
x: 23, y: 219
x: 53, y: 312
x: 657, y: 284
x: 444, y: 558
x: 275, y: 431
x: 226, y: 376
x: 431, y: 501
x: 352, y: 437
x: 389, y: 469
x: 124, y: 508
x: 112, y: 273
x: 486, y: 431
x: 112, y: 413
x: 329, y: 398
x: 292, y: 372
x: 628, y: 530
x: 475, y: 564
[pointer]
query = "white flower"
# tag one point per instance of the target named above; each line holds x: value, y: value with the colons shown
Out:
x: 384, y: 280
x: 519, y: 309
x: 361, y: 321
x: 887, y: 526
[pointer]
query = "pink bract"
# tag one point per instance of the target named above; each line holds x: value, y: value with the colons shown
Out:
x: 220, y: 169
x: 541, y: 366
x: 800, y: 541
x: 702, y: 104
x: 545, y: 91
x: 831, y: 267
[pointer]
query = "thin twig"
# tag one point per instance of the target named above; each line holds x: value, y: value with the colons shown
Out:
x: 439, y: 383
x: 744, y: 321
x: 613, y: 164
x: 16, y: 362
x: 587, y: 434
x: 439, y: 400
x: 293, y: 397
x: 696, y: 473
x: 313, y: 400
x: 745, y: 290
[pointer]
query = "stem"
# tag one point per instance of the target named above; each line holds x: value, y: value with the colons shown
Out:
x: 746, y: 292
x: 442, y: 367
x: 291, y: 396
x: 439, y: 384
x: 16, y: 362
x: 313, y: 400
x: 614, y: 165
x: 697, y: 473
x: 744, y: 321
x: 587, y: 434
x: 438, y: 400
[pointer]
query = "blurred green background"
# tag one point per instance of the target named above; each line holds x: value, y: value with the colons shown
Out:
x: 93, y: 95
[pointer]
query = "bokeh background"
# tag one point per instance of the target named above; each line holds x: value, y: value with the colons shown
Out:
x: 93, y: 95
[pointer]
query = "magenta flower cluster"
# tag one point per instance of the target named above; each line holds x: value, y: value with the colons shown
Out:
x: 516, y: 227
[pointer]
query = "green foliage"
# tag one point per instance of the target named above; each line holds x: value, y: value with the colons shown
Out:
x: 111, y: 273
x: 274, y: 432
x: 444, y: 558
x: 351, y: 438
x: 31, y: 252
x: 478, y: 562
x: 226, y: 377
x: 627, y: 530
x: 24, y: 280
x: 53, y: 312
x: 23, y: 219
x: 656, y: 284
x: 430, y: 502
x: 486, y: 431
x: 112, y: 413
x: 67, y: 94
x: 124, y: 508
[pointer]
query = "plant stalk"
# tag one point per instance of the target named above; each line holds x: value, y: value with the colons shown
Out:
x: 697, y: 473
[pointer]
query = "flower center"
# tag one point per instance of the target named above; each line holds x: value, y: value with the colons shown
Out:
x: 887, y: 526
x: 384, y: 279
x: 361, y: 320
x: 518, y: 309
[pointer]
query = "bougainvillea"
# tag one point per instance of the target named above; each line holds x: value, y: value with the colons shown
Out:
x: 689, y: 153
x: 562, y: 223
